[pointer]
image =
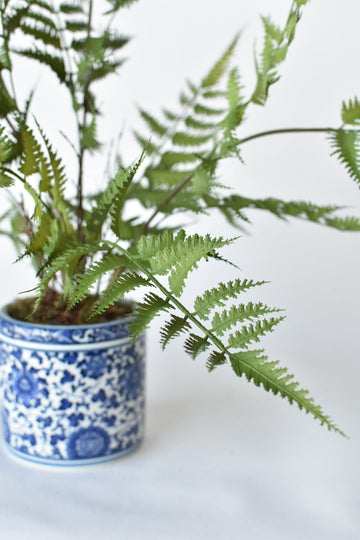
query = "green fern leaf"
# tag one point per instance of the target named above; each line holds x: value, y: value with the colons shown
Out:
x: 165, y: 177
x: 69, y: 257
x: 218, y: 70
x: 5, y: 146
x: 215, y: 359
x: 192, y: 122
x: 88, y: 136
x: 54, y: 62
x: 43, y: 34
x: 186, y: 139
x: 71, y: 8
x: 154, y: 125
x: 76, y: 26
x: 152, y: 245
x: 173, y: 328
x: 127, y: 282
x: 203, y: 110
x: 179, y: 255
x: 125, y: 177
x: 224, y: 320
x: 98, y: 269
x: 174, y: 158
x: 30, y: 162
x: 257, y: 368
x: 346, y: 149
x: 252, y: 333
x: 146, y: 311
x: 348, y: 223
x: 195, y: 345
x: 350, y: 112
x: 218, y: 295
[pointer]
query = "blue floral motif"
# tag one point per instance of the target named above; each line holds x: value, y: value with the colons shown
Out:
x: 132, y: 379
x: 26, y: 387
x: 82, y: 400
x: 88, y: 443
x: 94, y: 365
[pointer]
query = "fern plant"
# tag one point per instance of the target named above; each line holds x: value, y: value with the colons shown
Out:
x: 87, y: 252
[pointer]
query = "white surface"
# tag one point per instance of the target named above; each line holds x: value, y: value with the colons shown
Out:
x: 223, y: 459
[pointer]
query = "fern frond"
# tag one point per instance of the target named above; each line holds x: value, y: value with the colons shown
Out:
x: 218, y: 295
x: 350, y: 112
x: 173, y: 328
x: 153, y: 124
x: 215, y: 359
x: 204, y: 110
x: 54, y: 62
x: 169, y: 159
x: 218, y: 70
x: 252, y: 333
x: 146, y: 311
x: 127, y: 282
x: 346, y: 145
x: 186, y: 139
x: 30, y: 161
x: 348, y: 223
x: 71, y: 8
x: 258, y: 369
x: 69, y: 257
x: 226, y: 319
x: 179, y: 253
x: 195, y: 345
x: 44, y: 34
x: 126, y: 176
x: 84, y: 282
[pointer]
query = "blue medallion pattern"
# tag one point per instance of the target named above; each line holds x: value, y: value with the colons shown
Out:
x: 76, y: 399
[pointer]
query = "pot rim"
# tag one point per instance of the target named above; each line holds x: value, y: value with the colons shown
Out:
x: 5, y: 316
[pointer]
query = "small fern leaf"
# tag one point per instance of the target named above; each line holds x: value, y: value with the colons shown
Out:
x: 218, y: 295
x: 186, y: 139
x: 153, y: 124
x: 346, y: 145
x: 54, y: 62
x: 252, y: 333
x: 109, y: 262
x: 127, y: 282
x: 215, y: 359
x: 146, y: 311
x: 203, y: 110
x: 224, y: 320
x: 350, y: 112
x: 169, y: 159
x: 30, y: 162
x: 258, y: 369
x: 60, y: 263
x: 218, y: 70
x: 195, y: 345
x: 173, y: 328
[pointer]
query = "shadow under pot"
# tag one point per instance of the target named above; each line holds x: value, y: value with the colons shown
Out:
x: 71, y: 395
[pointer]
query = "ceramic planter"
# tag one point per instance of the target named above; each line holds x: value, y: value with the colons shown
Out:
x: 71, y: 395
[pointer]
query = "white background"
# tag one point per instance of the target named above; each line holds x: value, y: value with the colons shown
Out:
x: 221, y: 457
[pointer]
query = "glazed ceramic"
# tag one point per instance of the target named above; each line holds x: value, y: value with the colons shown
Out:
x: 71, y: 395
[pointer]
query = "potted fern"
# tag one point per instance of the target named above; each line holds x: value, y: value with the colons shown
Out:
x: 72, y: 351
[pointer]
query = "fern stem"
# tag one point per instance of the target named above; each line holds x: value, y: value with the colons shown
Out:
x: 286, y: 130
x: 166, y: 201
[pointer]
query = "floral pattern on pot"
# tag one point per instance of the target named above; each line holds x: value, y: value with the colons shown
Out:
x: 73, y: 403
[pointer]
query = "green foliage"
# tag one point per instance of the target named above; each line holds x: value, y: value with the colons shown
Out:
x: 350, y: 112
x: 346, y: 145
x: 100, y: 247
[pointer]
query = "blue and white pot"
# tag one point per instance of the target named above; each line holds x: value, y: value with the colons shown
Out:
x: 71, y: 395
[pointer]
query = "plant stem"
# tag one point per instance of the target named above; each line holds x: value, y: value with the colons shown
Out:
x: 167, y: 199
x: 80, y: 206
x: 285, y: 130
